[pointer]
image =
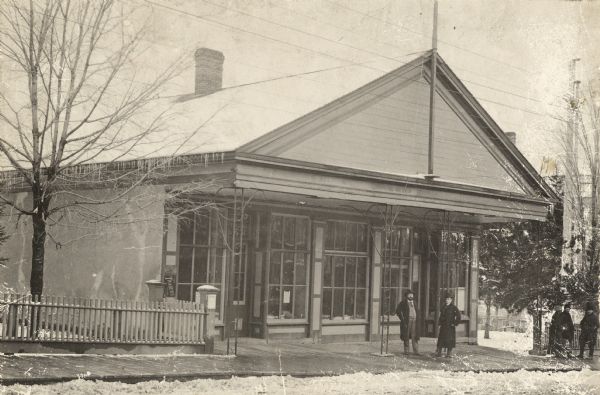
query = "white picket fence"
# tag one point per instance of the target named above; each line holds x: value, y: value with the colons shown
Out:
x: 80, y: 320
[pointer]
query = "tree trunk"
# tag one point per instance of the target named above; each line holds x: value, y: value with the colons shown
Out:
x: 38, y: 241
x: 488, y: 317
x: 537, y: 329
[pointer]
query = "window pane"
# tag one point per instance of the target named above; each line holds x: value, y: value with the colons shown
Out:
x: 185, y: 265
x: 300, y: 302
x: 404, y: 273
x: 338, y: 303
x: 394, y: 277
x: 288, y: 268
x: 350, y: 236
x: 276, y: 232
x: 216, y: 266
x: 219, y: 227
x: 263, y: 219
x: 329, y: 235
x: 300, y: 269
x: 202, y: 228
x: 327, y: 271
x: 289, y: 224
x: 386, y: 302
x: 338, y: 262
x: 275, y: 269
x: 351, y: 272
x: 326, y: 307
x: 340, y: 236
x: 184, y: 291
x: 287, y: 296
x: 360, y: 303
x: 301, y: 233
x: 405, y: 242
x: 362, y: 238
x: 200, y: 265
x: 361, y: 272
x: 274, y: 302
x: 349, y: 303
x: 186, y: 229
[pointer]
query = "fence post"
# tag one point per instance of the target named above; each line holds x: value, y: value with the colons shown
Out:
x: 206, y: 296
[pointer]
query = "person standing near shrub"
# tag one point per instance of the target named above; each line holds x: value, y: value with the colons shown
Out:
x: 552, y: 338
x: 566, y: 331
x: 409, y: 327
x: 589, y: 330
x: 449, y: 318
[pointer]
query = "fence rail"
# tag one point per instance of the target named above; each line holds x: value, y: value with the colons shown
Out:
x: 575, y: 345
x: 76, y: 320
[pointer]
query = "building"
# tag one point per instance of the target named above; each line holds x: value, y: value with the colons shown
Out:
x: 335, y: 216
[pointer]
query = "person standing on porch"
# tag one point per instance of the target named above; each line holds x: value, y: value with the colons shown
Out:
x: 589, y: 330
x: 449, y: 318
x: 407, y: 312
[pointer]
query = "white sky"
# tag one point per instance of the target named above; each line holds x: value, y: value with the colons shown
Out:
x: 513, y: 55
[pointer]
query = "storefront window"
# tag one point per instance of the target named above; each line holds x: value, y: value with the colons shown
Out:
x: 202, y: 252
x: 396, y: 261
x: 288, y: 271
x: 345, y: 271
x: 455, y: 258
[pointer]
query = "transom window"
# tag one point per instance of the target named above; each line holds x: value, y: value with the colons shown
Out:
x: 345, y: 271
x: 288, y: 271
x: 202, y: 252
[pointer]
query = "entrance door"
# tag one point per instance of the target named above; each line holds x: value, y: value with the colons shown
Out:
x: 239, y: 309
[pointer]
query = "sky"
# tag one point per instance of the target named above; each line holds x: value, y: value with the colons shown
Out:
x: 512, y: 55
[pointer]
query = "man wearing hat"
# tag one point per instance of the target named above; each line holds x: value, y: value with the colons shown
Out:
x: 589, y: 330
x: 566, y: 331
x: 407, y: 312
x: 449, y: 318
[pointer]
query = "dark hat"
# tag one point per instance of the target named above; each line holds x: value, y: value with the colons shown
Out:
x: 408, y: 292
x: 449, y: 295
x: 589, y: 305
x: 567, y: 305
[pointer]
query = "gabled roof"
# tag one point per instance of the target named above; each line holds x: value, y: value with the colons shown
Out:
x: 500, y: 152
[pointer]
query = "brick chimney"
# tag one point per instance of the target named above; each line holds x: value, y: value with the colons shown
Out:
x: 512, y: 136
x: 209, y: 71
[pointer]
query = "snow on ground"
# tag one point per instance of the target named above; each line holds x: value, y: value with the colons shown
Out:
x: 424, y: 382
x: 519, y: 343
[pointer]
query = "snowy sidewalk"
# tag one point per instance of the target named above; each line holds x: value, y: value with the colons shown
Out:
x: 256, y: 358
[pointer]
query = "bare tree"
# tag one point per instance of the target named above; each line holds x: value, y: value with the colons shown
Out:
x: 580, y: 138
x: 81, y: 110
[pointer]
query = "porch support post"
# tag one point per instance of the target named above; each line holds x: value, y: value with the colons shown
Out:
x: 474, y: 289
x: 375, y: 285
x: 317, y: 283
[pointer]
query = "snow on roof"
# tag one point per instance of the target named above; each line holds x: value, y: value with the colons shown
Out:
x: 234, y: 116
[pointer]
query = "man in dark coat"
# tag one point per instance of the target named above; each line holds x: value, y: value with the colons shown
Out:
x: 589, y: 330
x: 408, y: 314
x: 565, y: 331
x: 552, y: 339
x: 449, y: 318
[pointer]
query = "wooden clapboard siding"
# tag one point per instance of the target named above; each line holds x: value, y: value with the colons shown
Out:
x: 391, y: 136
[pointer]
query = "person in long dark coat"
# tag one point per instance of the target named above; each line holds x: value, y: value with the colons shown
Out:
x: 408, y: 314
x: 565, y: 331
x: 589, y: 330
x: 552, y: 339
x: 449, y: 318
